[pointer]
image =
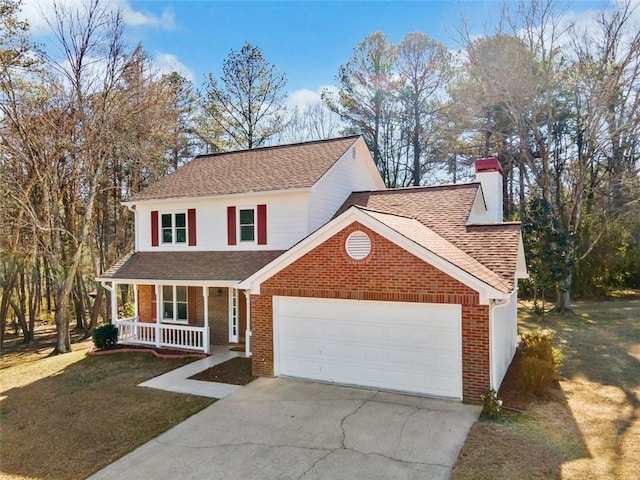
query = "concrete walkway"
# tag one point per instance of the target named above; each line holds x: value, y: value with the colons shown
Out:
x: 278, y: 428
x: 178, y: 380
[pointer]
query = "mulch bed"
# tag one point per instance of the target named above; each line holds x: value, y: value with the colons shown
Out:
x: 510, y: 391
x: 158, y: 352
x: 236, y: 371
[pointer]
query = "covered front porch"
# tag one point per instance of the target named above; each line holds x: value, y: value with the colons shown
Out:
x: 183, y: 299
x: 190, y: 317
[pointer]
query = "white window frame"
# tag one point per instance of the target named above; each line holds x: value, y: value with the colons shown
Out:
x: 175, y: 303
x: 174, y: 227
x: 255, y: 224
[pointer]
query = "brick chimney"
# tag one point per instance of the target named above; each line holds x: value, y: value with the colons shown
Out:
x: 490, y: 175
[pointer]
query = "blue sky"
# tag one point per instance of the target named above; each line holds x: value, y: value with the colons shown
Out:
x: 307, y: 40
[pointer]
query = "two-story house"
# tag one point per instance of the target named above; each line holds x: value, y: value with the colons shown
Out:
x: 301, y: 253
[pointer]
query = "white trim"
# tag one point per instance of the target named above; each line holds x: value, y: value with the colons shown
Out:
x: 248, y: 335
x: 220, y: 197
x: 276, y: 335
x: 177, y: 281
x: 175, y: 320
x: 174, y: 234
x: 239, y: 240
x: 354, y: 214
x: 521, y: 261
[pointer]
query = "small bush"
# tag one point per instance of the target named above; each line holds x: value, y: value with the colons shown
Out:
x: 540, y: 362
x: 540, y: 345
x: 128, y: 310
x: 491, y: 405
x: 105, y: 336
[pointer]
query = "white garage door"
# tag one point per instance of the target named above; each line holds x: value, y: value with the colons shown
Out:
x: 409, y: 347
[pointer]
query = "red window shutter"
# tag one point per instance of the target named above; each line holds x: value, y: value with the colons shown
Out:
x: 154, y: 229
x: 231, y: 225
x: 191, y: 224
x: 262, y: 224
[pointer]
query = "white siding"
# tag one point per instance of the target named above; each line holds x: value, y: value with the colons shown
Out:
x: 504, y: 335
x: 347, y: 175
x: 286, y: 221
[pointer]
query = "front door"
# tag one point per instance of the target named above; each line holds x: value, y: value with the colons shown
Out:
x: 234, y: 327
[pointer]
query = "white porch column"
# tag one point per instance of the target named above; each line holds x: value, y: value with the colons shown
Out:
x: 135, y: 311
x: 247, y: 333
x: 135, y: 301
x: 114, y: 303
x: 158, y: 314
x: 205, y: 340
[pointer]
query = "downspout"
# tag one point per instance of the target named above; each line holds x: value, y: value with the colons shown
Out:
x: 247, y: 333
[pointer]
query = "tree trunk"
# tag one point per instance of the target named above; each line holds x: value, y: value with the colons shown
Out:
x: 63, y: 336
x: 95, y: 311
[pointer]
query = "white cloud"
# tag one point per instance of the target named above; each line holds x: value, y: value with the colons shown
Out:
x: 304, y: 97
x: 166, y: 21
x: 36, y: 13
x: 167, y: 63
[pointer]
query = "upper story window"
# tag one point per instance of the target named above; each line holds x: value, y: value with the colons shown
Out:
x: 247, y: 221
x: 174, y: 303
x: 174, y: 228
x: 247, y: 225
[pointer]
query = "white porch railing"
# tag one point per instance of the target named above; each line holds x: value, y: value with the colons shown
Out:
x: 130, y: 330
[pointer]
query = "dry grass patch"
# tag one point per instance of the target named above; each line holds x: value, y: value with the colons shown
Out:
x: 586, y: 428
x: 66, y: 417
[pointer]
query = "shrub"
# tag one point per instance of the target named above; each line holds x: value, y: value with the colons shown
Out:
x: 128, y: 309
x: 491, y: 406
x: 105, y: 336
x: 540, y: 362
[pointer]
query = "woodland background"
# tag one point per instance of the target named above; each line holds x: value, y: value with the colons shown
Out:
x: 83, y: 130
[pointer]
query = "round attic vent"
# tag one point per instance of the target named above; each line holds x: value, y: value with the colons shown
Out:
x: 358, y: 245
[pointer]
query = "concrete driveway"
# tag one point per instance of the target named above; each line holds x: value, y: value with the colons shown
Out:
x: 277, y: 428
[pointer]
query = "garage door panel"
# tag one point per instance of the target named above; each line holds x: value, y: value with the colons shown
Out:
x: 390, y: 345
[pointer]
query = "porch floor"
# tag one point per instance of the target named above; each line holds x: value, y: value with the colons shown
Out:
x: 178, y: 380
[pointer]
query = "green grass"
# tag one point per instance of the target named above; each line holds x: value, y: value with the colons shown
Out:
x: 587, y: 428
x: 66, y: 417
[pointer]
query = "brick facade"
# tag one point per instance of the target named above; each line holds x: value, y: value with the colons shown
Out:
x: 388, y: 273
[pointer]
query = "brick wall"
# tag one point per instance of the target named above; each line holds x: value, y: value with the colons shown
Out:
x: 145, y: 307
x: 389, y: 273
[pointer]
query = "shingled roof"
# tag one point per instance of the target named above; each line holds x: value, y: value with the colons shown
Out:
x: 264, y: 169
x: 190, y: 266
x: 445, y: 210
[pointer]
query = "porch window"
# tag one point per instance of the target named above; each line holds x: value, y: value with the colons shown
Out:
x: 247, y: 225
x: 174, y: 227
x: 174, y: 303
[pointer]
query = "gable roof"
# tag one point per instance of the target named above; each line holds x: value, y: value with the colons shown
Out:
x: 190, y: 266
x: 282, y: 167
x: 428, y: 239
x: 445, y: 211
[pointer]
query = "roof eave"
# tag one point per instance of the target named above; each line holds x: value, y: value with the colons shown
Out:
x: 287, y: 191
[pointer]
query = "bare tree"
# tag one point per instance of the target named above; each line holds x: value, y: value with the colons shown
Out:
x: 245, y: 107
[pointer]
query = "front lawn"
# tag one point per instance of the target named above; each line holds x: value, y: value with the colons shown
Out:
x: 589, y: 427
x: 67, y: 416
